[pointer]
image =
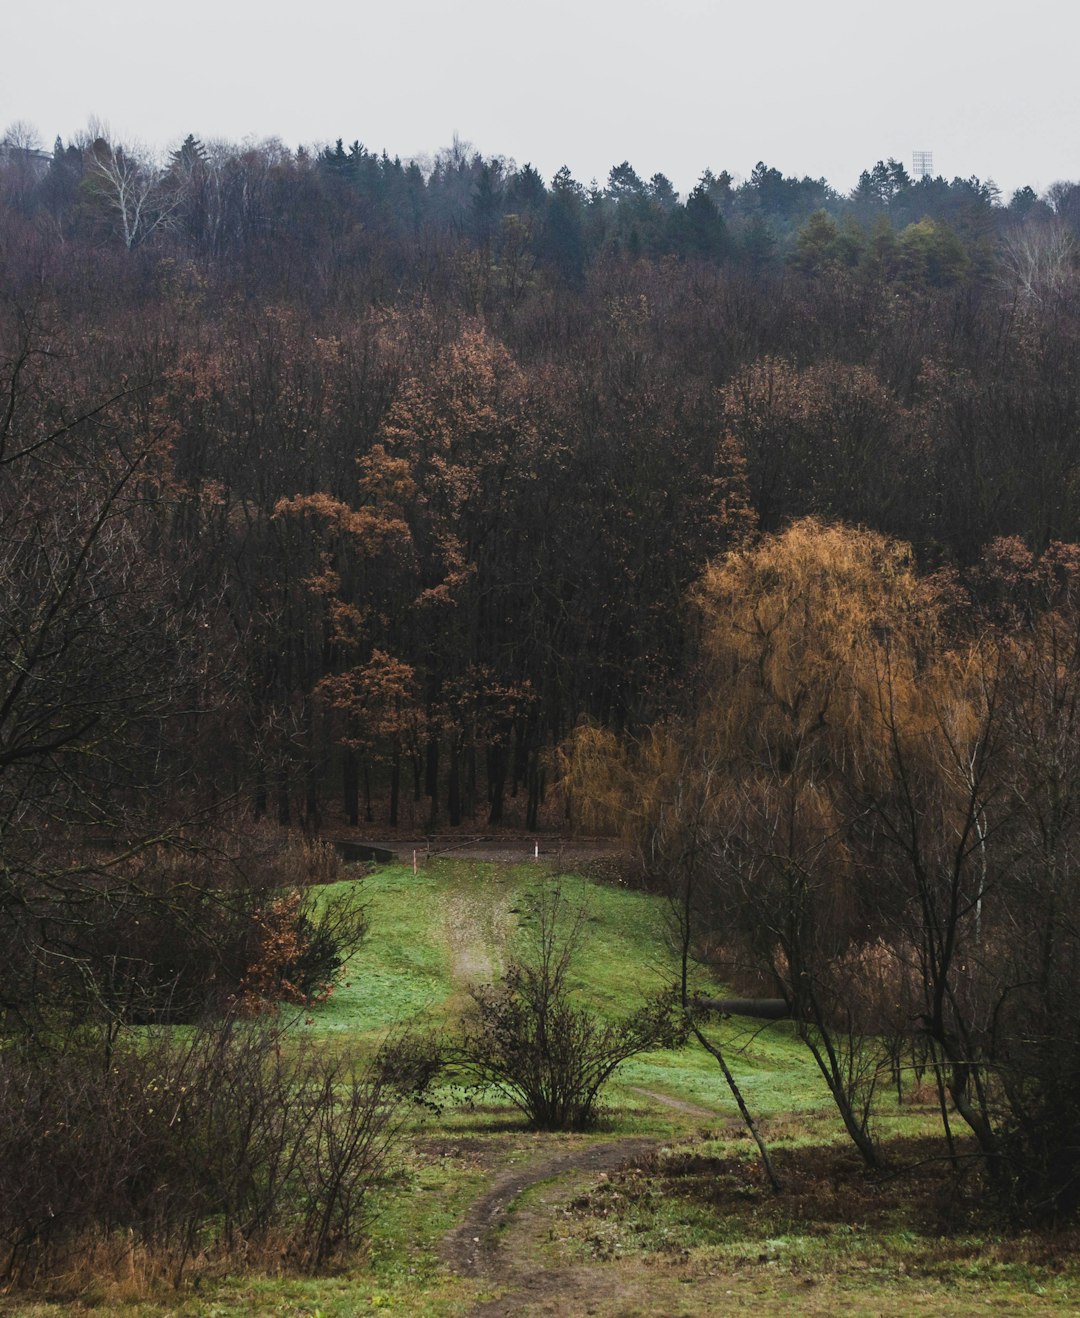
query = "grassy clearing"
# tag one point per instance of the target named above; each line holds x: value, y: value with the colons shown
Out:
x: 833, y: 1236
x: 691, y: 1233
x: 406, y: 974
x: 403, y: 972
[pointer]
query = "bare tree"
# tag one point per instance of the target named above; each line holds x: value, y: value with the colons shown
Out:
x: 680, y: 845
x: 22, y: 162
x: 1038, y: 259
x: 132, y: 186
x: 21, y: 135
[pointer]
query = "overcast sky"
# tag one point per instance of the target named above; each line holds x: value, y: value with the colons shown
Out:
x: 821, y: 89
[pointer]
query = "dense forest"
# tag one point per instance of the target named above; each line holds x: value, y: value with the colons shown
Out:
x: 414, y: 470
x: 339, y: 490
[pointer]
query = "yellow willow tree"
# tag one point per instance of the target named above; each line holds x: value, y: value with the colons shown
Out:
x: 818, y: 648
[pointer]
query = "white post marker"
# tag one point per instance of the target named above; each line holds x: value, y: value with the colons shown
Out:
x: 414, y: 860
x: 536, y: 850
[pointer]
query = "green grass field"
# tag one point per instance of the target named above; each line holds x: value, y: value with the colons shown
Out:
x: 693, y: 1234
x: 425, y: 926
x: 431, y: 929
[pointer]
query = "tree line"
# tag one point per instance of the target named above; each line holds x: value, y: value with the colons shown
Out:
x: 436, y: 476
x: 220, y: 199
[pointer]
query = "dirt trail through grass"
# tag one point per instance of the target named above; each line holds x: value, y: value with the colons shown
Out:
x: 499, y: 1239
x: 676, y: 1104
x: 502, y: 1236
x: 476, y: 923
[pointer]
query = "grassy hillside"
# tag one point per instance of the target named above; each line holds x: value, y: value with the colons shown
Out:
x: 436, y: 931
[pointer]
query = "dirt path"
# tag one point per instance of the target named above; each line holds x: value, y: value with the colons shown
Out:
x: 678, y: 1104
x: 499, y: 1240
x: 474, y: 927
x: 502, y: 1240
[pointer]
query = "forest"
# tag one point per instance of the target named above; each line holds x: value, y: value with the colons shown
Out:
x: 346, y: 493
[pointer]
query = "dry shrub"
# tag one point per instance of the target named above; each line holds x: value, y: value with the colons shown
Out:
x: 175, y: 932
x: 301, y: 946
x: 305, y: 862
x: 272, y: 975
x: 300, y: 941
x: 224, y: 1143
x: 546, y: 1053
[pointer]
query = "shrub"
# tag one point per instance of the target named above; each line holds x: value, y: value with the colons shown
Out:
x: 299, y: 947
x: 547, y: 1054
x: 222, y: 1141
x: 171, y: 934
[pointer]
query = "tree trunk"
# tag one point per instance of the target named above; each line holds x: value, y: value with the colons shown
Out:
x: 532, y: 811
x: 395, y: 790
x: 496, y: 767
x: 350, y: 787
x: 311, y: 798
x: 431, y: 785
x: 453, y: 795
x: 469, y: 806
x: 431, y: 768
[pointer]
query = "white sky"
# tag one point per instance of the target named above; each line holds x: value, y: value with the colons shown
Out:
x: 821, y: 89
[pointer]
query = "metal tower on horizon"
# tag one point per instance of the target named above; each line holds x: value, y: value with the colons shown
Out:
x: 922, y: 164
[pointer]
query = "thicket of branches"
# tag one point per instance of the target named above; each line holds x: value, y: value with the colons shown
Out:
x: 179, y: 1150
x: 527, y: 1037
x: 869, y: 810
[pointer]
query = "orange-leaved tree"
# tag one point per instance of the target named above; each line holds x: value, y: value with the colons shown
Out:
x: 747, y: 804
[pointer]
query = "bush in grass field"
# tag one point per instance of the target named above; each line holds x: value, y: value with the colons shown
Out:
x: 225, y: 1141
x: 529, y: 1039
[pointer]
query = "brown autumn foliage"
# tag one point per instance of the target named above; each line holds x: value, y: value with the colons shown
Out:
x: 869, y: 817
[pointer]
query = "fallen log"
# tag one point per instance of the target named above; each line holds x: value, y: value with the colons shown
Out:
x: 766, y: 1009
x: 353, y: 851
